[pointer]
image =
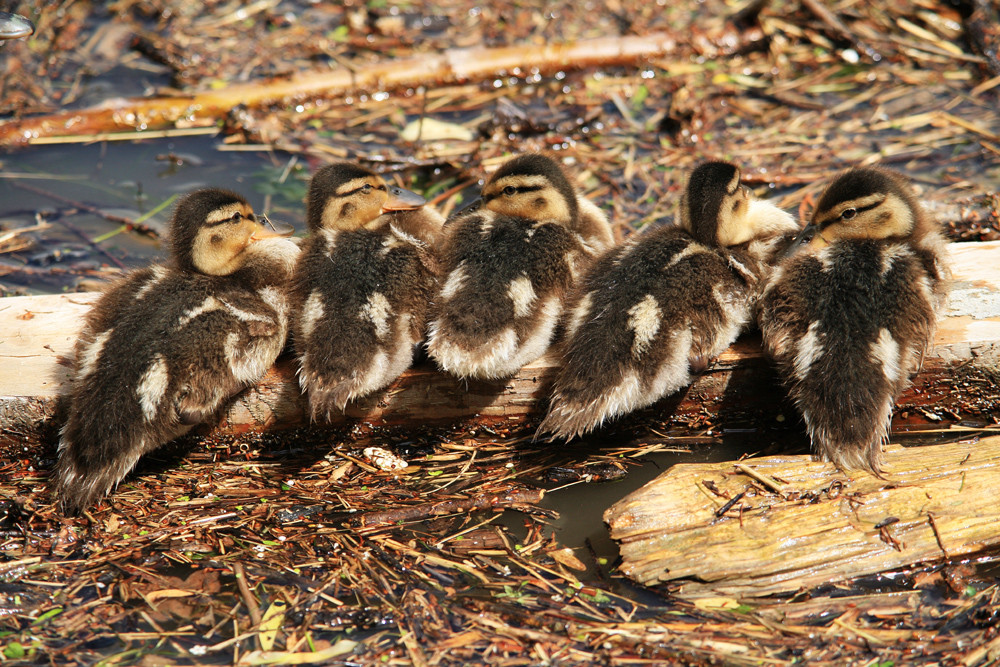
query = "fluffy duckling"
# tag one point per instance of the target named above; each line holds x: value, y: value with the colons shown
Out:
x: 165, y: 347
x: 656, y: 309
x: 507, y: 264
x: 362, y: 285
x: 849, y: 314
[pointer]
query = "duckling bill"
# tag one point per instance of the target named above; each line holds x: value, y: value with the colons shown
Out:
x: 507, y: 264
x: 363, y: 284
x: 849, y: 314
x: 655, y: 310
x: 164, y: 348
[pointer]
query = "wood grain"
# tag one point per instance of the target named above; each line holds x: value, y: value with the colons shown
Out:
x: 35, y: 332
x: 808, y: 523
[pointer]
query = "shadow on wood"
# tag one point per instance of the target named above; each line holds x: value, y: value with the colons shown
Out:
x: 37, y: 331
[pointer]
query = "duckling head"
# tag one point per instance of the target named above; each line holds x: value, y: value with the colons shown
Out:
x: 345, y: 196
x: 212, y: 230
x: 531, y: 186
x: 714, y: 205
x: 864, y: 203
x: 718, y: 211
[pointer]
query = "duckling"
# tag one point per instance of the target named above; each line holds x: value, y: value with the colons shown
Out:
x: 656, y: 309
x: 163, y: 348
x: 508, y: 261
x: 362, y: 285
x: 850, y: 312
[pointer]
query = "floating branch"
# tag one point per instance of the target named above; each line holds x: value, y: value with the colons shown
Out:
x: 450, y: 67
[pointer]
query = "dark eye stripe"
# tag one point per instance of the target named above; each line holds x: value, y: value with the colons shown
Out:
x: 517, y: 189
x: 226, y: 221
x: 857, y: 209
x: 861, y: 209
x: 360, y: 189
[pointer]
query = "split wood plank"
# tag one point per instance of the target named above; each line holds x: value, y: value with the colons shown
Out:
x: 802, y: 523
x: 35, y: 332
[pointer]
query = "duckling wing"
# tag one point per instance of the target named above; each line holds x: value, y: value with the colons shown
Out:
x: 171, y: 351
x: 646, y: 313
x: 421, y: 226
x: 847, y: 326
x: 362, y: 304
x: 504, y: 282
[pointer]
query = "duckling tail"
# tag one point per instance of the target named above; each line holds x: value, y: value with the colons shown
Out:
x: 84, y: 475
x: 567, y: 420
x: 325, y: 401
x: 852, y: 438
x: 845, y: 395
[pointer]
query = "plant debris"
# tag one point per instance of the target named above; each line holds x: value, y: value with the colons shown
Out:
x: 290, y: 547
x: 297, y: 548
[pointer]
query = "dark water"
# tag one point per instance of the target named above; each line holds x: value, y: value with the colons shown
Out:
x: 126, y: 179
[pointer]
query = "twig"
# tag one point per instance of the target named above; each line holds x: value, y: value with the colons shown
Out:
x: 248, y: 598
x: 70, y: 226
x: 839, y: 27
x: 766, y: 480
x: 110, y: 217
x: 937, y: 535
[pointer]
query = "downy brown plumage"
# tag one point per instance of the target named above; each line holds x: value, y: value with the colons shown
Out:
x: 849, y: 314
x: 655, y: 310
x: 167, y: 345
x: 507, y: 266
x: 362, y: 285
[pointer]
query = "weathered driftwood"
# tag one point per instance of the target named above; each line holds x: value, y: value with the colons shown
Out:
x: 451, y: 66
x: 36, y: 331
x: 802, y: 523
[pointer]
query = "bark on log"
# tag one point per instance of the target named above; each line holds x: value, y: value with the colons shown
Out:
x: 36, y: 331
x: 449, y: 67
x: 807, y: 523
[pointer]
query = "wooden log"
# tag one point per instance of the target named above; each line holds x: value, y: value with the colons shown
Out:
x: 448, y: 67
x: 802, y: 523
x: 36, y: 331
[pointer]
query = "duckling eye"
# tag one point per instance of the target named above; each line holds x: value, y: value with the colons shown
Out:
x: 236, y: 217
x: 366, y: 188
x: 848, y: 213
x: 509, y: 190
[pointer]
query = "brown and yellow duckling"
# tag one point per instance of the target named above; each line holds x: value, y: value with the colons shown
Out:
x: 164, y: 348
x: 362, y: 285
x: 849, y: 314
x: 655, y: 310
x: 507, y: 266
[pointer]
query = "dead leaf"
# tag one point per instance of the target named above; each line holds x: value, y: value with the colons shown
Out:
x: 270, y: 623
x: 430, y: 129
x: 342, y: 647
x: 168, y: 593
x: 568, y: 558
